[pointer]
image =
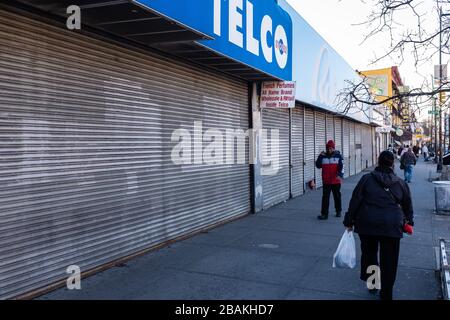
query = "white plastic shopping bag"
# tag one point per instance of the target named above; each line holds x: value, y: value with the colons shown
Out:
x: 345, y: 255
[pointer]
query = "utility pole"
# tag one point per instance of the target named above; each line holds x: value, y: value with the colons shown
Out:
x: 448, y: 131
x: 430, y: 123
x: 445, y: 133
x: 435, y: 128
x: 431, y: 131
x: 439, y: 166
x: 433, y: 142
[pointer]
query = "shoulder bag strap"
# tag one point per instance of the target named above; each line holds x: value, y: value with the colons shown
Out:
x: 388, y: 190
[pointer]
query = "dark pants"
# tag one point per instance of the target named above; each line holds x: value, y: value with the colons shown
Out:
x: 389, y: 252
x: 327, y: 188
x: 408, y: 172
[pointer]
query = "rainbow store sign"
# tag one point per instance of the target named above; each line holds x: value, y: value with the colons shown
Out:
x: 253, y: 32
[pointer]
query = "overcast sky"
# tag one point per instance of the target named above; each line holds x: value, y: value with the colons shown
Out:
x: 336, y: 21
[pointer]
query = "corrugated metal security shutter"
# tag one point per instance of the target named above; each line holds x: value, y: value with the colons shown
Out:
x: 297, y: 122
x: 352, y: 149
x: 338, y: 134
x: 330, y: 128
x: 375, y: 141
x: 382, y: 139
x: 309, y: 145
x: 379, y: 137
x: 86, y: 168
x: 367, y: 147
x: 320, y: 136
x: 358, y: 147
x: 276, y: 185
x: 346, y: 144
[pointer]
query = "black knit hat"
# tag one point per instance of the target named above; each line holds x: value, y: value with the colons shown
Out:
x: 386, y: 159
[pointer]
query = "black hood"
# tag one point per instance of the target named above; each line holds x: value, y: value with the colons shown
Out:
x: 385, y: 176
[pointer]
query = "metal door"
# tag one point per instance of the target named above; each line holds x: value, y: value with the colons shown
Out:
x: 297, y: 145
x: 320, y: 142
x: 89, y: 135
x: 276, y: 172
x: 309, y: 145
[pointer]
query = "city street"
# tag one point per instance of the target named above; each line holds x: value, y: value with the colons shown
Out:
x: 177, y: 150
x: 283, y: 253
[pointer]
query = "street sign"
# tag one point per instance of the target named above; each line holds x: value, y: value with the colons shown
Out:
x: 385, y: 129
x: 278, y: 94
x: 433, y: 112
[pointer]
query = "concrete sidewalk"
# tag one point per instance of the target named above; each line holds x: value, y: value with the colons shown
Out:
x: 282, y: 253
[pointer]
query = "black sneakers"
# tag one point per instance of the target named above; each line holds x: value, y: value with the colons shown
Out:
x: 338, y: 214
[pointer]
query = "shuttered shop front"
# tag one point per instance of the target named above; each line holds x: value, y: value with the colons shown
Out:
x: 358, y: 147
x: 87, y: 152
x: 320, y: 144
x: 367, y: 147
x: 346, y: 147
x: 309, y: 145
x: 352, y: 149
x: 276, y: 176
x: 330, y: 129
x: 297, y: 125
x: 338, y: 134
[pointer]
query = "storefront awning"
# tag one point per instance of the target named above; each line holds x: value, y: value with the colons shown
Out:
x: 195, y: 30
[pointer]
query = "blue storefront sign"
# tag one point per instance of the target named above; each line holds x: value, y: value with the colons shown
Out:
x: 319, y: 71
x: 195, y: 15
x: 257, y: 33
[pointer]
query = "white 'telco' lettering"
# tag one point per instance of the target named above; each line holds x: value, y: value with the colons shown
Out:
x: 217, y: 13
x: 252, y: 43
x: 266, y: 27
x: 235, y: 19
x: 270, y: 41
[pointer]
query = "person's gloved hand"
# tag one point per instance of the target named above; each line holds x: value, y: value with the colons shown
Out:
x: 407, y: 228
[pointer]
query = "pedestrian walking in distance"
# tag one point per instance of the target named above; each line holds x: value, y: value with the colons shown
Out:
x: 332, y: 165
x: 425, y: 152
x: 379, y: 211
x: 416, y: 150
x: 407, y: 161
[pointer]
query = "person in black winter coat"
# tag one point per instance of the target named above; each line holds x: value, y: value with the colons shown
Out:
x: 408, y: 160
x: 380, y: 207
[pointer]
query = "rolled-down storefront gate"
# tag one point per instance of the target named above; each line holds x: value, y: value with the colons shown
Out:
x: 90, y: 169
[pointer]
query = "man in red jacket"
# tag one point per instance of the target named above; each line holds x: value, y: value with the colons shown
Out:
x: 332, y: 165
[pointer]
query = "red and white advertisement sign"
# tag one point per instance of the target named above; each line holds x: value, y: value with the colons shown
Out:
x: 278, y: 95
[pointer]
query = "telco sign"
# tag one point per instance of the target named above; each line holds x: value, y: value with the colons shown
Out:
x: 254, y: 32
x: 195, y: 15
x: 257, y: 33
